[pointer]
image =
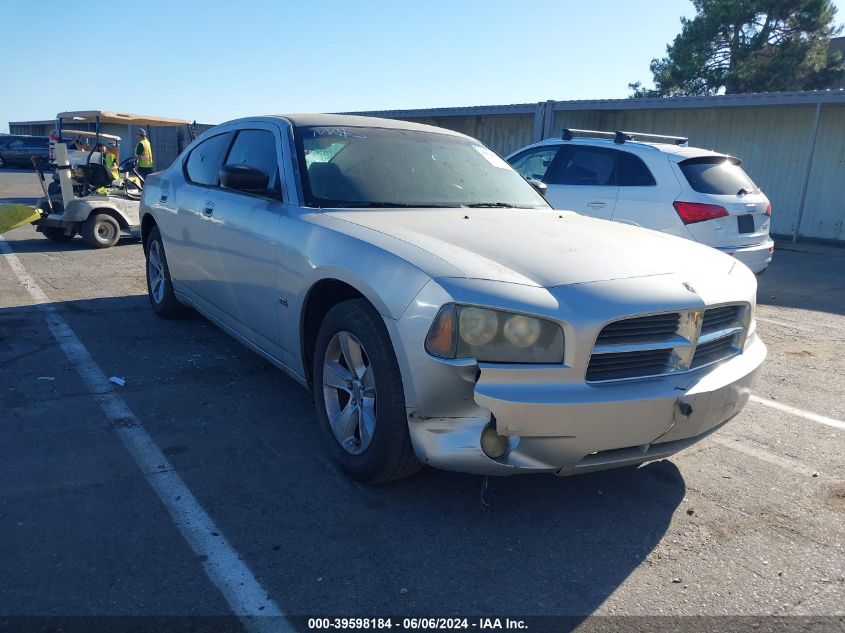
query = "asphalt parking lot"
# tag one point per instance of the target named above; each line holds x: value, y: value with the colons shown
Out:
x: 749, y: 521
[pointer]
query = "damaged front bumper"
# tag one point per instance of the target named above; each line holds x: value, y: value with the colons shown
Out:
x: 568, y: 429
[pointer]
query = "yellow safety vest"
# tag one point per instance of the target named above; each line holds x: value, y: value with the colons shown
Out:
x: 110, y: 165
x: 145, y: 159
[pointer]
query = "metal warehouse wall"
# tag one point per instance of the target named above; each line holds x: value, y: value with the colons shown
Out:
x: 501, y: 133
x: 773, y: 140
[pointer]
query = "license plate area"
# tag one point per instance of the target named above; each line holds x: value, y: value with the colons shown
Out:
x: 745, y: 223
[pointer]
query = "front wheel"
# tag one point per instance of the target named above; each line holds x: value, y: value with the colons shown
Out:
x: 359, y: 397
x: 100, y: 230
x: 2, y: 162
x: 159, y: 285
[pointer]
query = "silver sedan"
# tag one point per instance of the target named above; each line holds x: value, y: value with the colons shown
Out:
x: 438, y: 308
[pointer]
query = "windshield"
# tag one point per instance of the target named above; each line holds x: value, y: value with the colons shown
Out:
x: 382, y: 167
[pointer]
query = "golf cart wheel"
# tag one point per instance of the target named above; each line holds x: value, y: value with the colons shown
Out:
x: 159, y: 284
x: 56, y: 234
x: 100, y: 230
x: 359, y: 396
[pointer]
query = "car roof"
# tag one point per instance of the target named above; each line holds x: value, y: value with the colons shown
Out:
x: 676, y: 153
x: 350, y: 120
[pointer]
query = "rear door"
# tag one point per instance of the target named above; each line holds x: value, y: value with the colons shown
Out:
x: 583, y: 179
x: 721, y: 181
x: 646, y: 192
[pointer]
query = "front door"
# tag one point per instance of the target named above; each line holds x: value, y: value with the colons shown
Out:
x: 246, y: 227
x: 583, y: 179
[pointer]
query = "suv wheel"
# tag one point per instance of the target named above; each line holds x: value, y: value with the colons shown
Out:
x: 359, y: 397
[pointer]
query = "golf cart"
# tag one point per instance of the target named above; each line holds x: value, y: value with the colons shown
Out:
x: 84, y: 196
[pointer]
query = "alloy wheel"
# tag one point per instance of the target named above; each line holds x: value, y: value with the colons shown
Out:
x: 349, y: 392
x: 155, y: 271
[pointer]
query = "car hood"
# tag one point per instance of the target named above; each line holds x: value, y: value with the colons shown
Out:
x: 537, y: 247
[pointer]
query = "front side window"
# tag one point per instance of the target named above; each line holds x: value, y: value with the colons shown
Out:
x: 534, y: 163
x: 382, y: 167
x: 204, y: 160
x: 256, y: 148
x: 587, y: 166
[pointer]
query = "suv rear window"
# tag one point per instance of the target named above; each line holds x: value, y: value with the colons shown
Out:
x: 717, y: 175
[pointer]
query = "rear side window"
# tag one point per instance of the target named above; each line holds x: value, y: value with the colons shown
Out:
x: 587, y: 166
x: 204, y: 160
x: 717, y: 175
x: 256, y: 148
x: 534, y: 163
x: 633, y: 171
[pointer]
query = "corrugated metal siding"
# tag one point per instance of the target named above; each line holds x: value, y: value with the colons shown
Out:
x: 772, y: 143
x: 824, y: 208
x: 501, y: 133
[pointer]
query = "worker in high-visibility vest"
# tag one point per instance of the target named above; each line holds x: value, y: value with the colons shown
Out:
x: 109, y: 161
x: 143, y: 154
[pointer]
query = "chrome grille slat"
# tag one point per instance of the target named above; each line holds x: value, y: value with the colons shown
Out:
x: 718, y: 318
x: 665, y: 343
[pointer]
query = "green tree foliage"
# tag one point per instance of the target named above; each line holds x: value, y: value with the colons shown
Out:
x: 748, y: 46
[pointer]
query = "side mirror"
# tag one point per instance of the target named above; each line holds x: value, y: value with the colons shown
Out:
x: 539, y: 186
x: 244, y: 178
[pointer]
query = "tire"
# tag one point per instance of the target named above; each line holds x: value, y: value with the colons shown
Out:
x: 2, y: 162
x: 374, y: 446
x: 100, y: 230
x: 159, y: 285
x: 56, y: 234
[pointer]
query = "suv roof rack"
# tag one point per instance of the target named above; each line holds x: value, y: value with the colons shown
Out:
x: 620, y: 136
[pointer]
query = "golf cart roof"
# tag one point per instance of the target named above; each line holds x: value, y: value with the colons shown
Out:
x: 87, y: 134
x: 90, y: 116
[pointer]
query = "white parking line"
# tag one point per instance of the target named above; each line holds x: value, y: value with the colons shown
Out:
x: 807, y: 415
x: 224, y: 567
x: 764, y: 455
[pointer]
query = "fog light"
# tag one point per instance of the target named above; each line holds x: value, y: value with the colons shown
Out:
x: 493, y: 444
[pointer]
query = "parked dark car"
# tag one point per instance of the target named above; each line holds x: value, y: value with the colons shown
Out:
x: 17, y: 150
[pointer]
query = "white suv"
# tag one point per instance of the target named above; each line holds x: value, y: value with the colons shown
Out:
x: 685, y: 191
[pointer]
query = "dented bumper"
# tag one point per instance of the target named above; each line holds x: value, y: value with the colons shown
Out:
x: 573, y: 428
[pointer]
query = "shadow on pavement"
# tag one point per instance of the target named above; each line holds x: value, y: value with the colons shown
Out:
x: 807, y: 277
x: 244, y: 438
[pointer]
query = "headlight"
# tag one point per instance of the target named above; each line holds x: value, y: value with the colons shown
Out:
x: 493, y: 336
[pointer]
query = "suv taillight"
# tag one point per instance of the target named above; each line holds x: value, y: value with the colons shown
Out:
x: 692, y: 212
x: 769, y: 209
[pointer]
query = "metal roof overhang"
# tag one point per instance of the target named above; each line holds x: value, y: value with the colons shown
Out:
x: 757, y: 99
x: 90, y: 116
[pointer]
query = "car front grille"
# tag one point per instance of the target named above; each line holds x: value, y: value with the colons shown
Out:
x: 718, y: 318
x: 666, y: 343
x: 616, y: 366
x: 654, y: 327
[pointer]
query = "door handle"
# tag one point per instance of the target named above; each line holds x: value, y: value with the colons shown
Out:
x: 208, y: 209
x: 597, y: 205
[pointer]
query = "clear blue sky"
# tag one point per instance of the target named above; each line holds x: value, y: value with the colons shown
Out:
x: 212, y: 61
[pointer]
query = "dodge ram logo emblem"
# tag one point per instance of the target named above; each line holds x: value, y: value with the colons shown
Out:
x: 690, y: 288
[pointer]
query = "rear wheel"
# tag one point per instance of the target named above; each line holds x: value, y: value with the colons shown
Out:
x: 159, y: 285
x: 359, y: 397
x: 100, y: 230
x: 56, y: 234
